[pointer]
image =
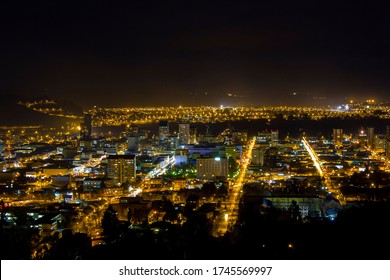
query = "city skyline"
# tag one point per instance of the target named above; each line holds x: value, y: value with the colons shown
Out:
x: 196, y: 53
x: 281, y: 188
x: 194, y: 130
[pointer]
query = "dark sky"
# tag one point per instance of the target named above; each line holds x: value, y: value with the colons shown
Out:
x: 139, y: 53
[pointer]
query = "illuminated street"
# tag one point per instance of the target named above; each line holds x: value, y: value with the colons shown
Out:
x: 229, y: 218
x: 326, y: 177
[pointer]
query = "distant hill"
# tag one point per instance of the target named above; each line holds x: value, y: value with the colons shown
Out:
x: 15, y: 114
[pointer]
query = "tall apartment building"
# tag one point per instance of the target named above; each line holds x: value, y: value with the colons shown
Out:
x: 173, y: 142
x: 86, y: 127
x: 258, y: 156
x: 184, y: 133
x: 121, y: 168
x: 193, y: 133
x: 163, y: 131
x: 337, y: 136
x: 132, y: 142
x: 274, y: 137
x: 370, y: 135
x: 380, y: 142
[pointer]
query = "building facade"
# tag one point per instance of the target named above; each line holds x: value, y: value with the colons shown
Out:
x: 121, y: 168
x: 370, y: 136
x: 86, y: 127
x: 212, y: 168
x: 163, y: 131
x: 184, y: 133
x: 337, y: 136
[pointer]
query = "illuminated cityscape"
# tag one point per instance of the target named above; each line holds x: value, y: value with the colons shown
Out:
x: 123, y: 116
x: 184, y: 131
x: 113, y: 177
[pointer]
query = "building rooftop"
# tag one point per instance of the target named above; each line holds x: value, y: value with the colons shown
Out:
x: 121, y: 157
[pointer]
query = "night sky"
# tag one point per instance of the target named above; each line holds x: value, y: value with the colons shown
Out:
x: 140, y: 53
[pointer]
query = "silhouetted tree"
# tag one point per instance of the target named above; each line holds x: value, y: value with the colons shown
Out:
x: 110, y: 223
x: 22, y: 219
x: 209, y: 187
x: 198, y: 225
x: 70, y: 247
x: 171, y: 213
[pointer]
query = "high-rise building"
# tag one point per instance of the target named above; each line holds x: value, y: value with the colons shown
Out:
x: 184, y: 133
x: 85, y: 140
x: 337, y: 136
x: 257, y: 156
x: 380, y: 142
x: 86, y: 127
x: 274, y: 137
x: 173, y: 141
x: 121, y: 168
x: 212, y: 168
x: 132, y: 142
x: 163, y: 130
x: 370, y: 136
x: 227, y: 137
x: 193, y: 133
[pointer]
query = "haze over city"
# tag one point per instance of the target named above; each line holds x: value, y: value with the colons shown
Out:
x: 195, y: 53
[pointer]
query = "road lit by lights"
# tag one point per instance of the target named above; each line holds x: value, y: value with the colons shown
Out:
x: 317, y: 163
x: 313, y: 156
x: 230, y: 218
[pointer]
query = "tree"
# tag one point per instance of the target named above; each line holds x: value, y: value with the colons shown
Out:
x: 70, y: 247
x: 233, y: 167
x: 110, y: 223
x: 209, y: 187
x: 223, y: 191
x: 22, y: 219
x: 197, y: 225
x: 167, y: 206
